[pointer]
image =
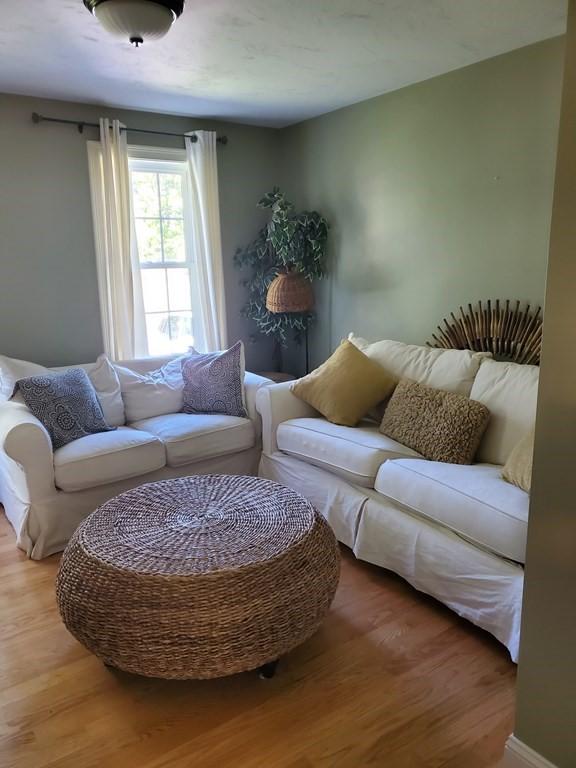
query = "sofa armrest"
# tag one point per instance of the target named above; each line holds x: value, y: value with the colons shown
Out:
x: 277, y: 404
x: 26, y: 456
x: 252, y: 385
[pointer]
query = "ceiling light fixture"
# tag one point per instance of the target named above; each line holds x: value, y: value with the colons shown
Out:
x: 136, y: 20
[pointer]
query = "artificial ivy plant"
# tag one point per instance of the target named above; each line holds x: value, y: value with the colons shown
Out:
x: 289, y: 241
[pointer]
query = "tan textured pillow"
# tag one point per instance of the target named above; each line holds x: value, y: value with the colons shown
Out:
x: 346, y: 386
x: 442, y: 426
x: 518, y: 468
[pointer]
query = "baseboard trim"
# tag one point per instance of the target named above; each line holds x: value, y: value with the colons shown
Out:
x: 518, y: 755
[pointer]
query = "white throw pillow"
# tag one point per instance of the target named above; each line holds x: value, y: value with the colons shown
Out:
x: 453, y: 370
x: 152, y: 394
x: 107, y: 385
x: 101, y: 374
x: 11, y: 370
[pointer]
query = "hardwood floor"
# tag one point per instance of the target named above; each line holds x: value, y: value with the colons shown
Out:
x: 392, y: 679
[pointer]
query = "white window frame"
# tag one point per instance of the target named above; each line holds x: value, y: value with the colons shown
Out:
x: 162, y: 160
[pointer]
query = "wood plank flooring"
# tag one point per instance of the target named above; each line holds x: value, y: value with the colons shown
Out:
x: 392, y: 679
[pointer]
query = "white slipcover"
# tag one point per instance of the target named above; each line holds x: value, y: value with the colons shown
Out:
x: 450, y: 369
x: 191, y: 437
x: 354, y: 453
x: 340, y: 502
x: 484, y: 588
x: 474, y: 501
x: 31, y: 478
x: 107, y: 457
x: 480, y: 586
x: 152, y: 393
x: 509, y: 391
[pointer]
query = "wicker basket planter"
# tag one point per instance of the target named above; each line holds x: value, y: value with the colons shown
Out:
x: 198, y: 577
x: 290, y: 292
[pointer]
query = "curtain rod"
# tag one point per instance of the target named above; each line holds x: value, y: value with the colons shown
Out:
x: 81, y: 124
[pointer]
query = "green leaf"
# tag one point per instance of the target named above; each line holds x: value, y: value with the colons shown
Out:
x: 289, y: 240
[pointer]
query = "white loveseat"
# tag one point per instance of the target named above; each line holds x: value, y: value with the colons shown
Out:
x: 455, y: 532
x: 47, y: 493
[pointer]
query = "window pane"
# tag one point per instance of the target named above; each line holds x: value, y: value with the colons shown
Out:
x: 158, y: 334
x: 145, y: 194
x: 180, y: 329
x: 174, y: 244
x: 155, y: 290
x: 149, y: 240
x: 171, y: 194
x: 179, y: 289
x: 168, y: 333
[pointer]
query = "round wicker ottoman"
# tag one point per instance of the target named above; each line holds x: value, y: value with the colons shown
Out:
x: 198, y: 577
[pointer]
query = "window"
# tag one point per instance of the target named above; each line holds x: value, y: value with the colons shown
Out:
x: 162, y: 221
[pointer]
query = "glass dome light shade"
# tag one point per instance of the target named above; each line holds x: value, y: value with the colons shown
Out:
x: 135, y: 20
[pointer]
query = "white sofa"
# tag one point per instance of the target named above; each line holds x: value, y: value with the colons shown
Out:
x: 47, y: 493
x: 455, y: 532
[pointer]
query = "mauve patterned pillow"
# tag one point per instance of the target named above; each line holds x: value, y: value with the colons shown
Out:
x: 214, y: 382
x: 66, y: 403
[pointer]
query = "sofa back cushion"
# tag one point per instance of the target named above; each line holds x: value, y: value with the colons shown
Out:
x: 453, y: 370
x: 154, y: 393
x: 509, y: 391
x: 105, y: 381
x: 101, y: 374
x: 146, y: 364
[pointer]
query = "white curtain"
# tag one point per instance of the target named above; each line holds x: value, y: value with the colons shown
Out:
x: 119, y: 285
x: 203, y: 164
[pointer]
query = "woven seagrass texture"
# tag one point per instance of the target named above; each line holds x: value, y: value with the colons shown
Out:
x: 290, y: 292
x: 198, y: 577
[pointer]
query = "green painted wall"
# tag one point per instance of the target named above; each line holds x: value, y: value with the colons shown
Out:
x: 438, y: 194
x: 48, y: 293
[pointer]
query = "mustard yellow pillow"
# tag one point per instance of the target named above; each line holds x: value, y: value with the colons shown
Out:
x: 518, y: 468
x: 346, y: 386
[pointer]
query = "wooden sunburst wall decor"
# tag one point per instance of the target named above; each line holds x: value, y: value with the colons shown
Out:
x: 500, y: 327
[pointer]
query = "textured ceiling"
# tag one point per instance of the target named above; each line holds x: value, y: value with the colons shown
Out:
x: 269, y: 62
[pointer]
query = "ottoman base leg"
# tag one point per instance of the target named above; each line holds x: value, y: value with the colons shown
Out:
x: 267, y: 671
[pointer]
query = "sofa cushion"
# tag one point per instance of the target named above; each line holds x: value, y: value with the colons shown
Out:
x: 473, y: 501
x: 193, y: 437
x: 354, y: 453
x: 345, y: 387
x: 518, y: 468
x: 101, y: 373
x: 65, y: 403
x: 451, y: 369
x: 509, y: 391
x: 214, y: 382
x: 442, y: 426
x: 153, y: 393
x: 105, y: 381
x: 107, y: 458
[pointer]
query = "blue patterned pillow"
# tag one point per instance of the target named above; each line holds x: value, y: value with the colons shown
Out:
x: 214, y: 383
x: 66, y: 403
